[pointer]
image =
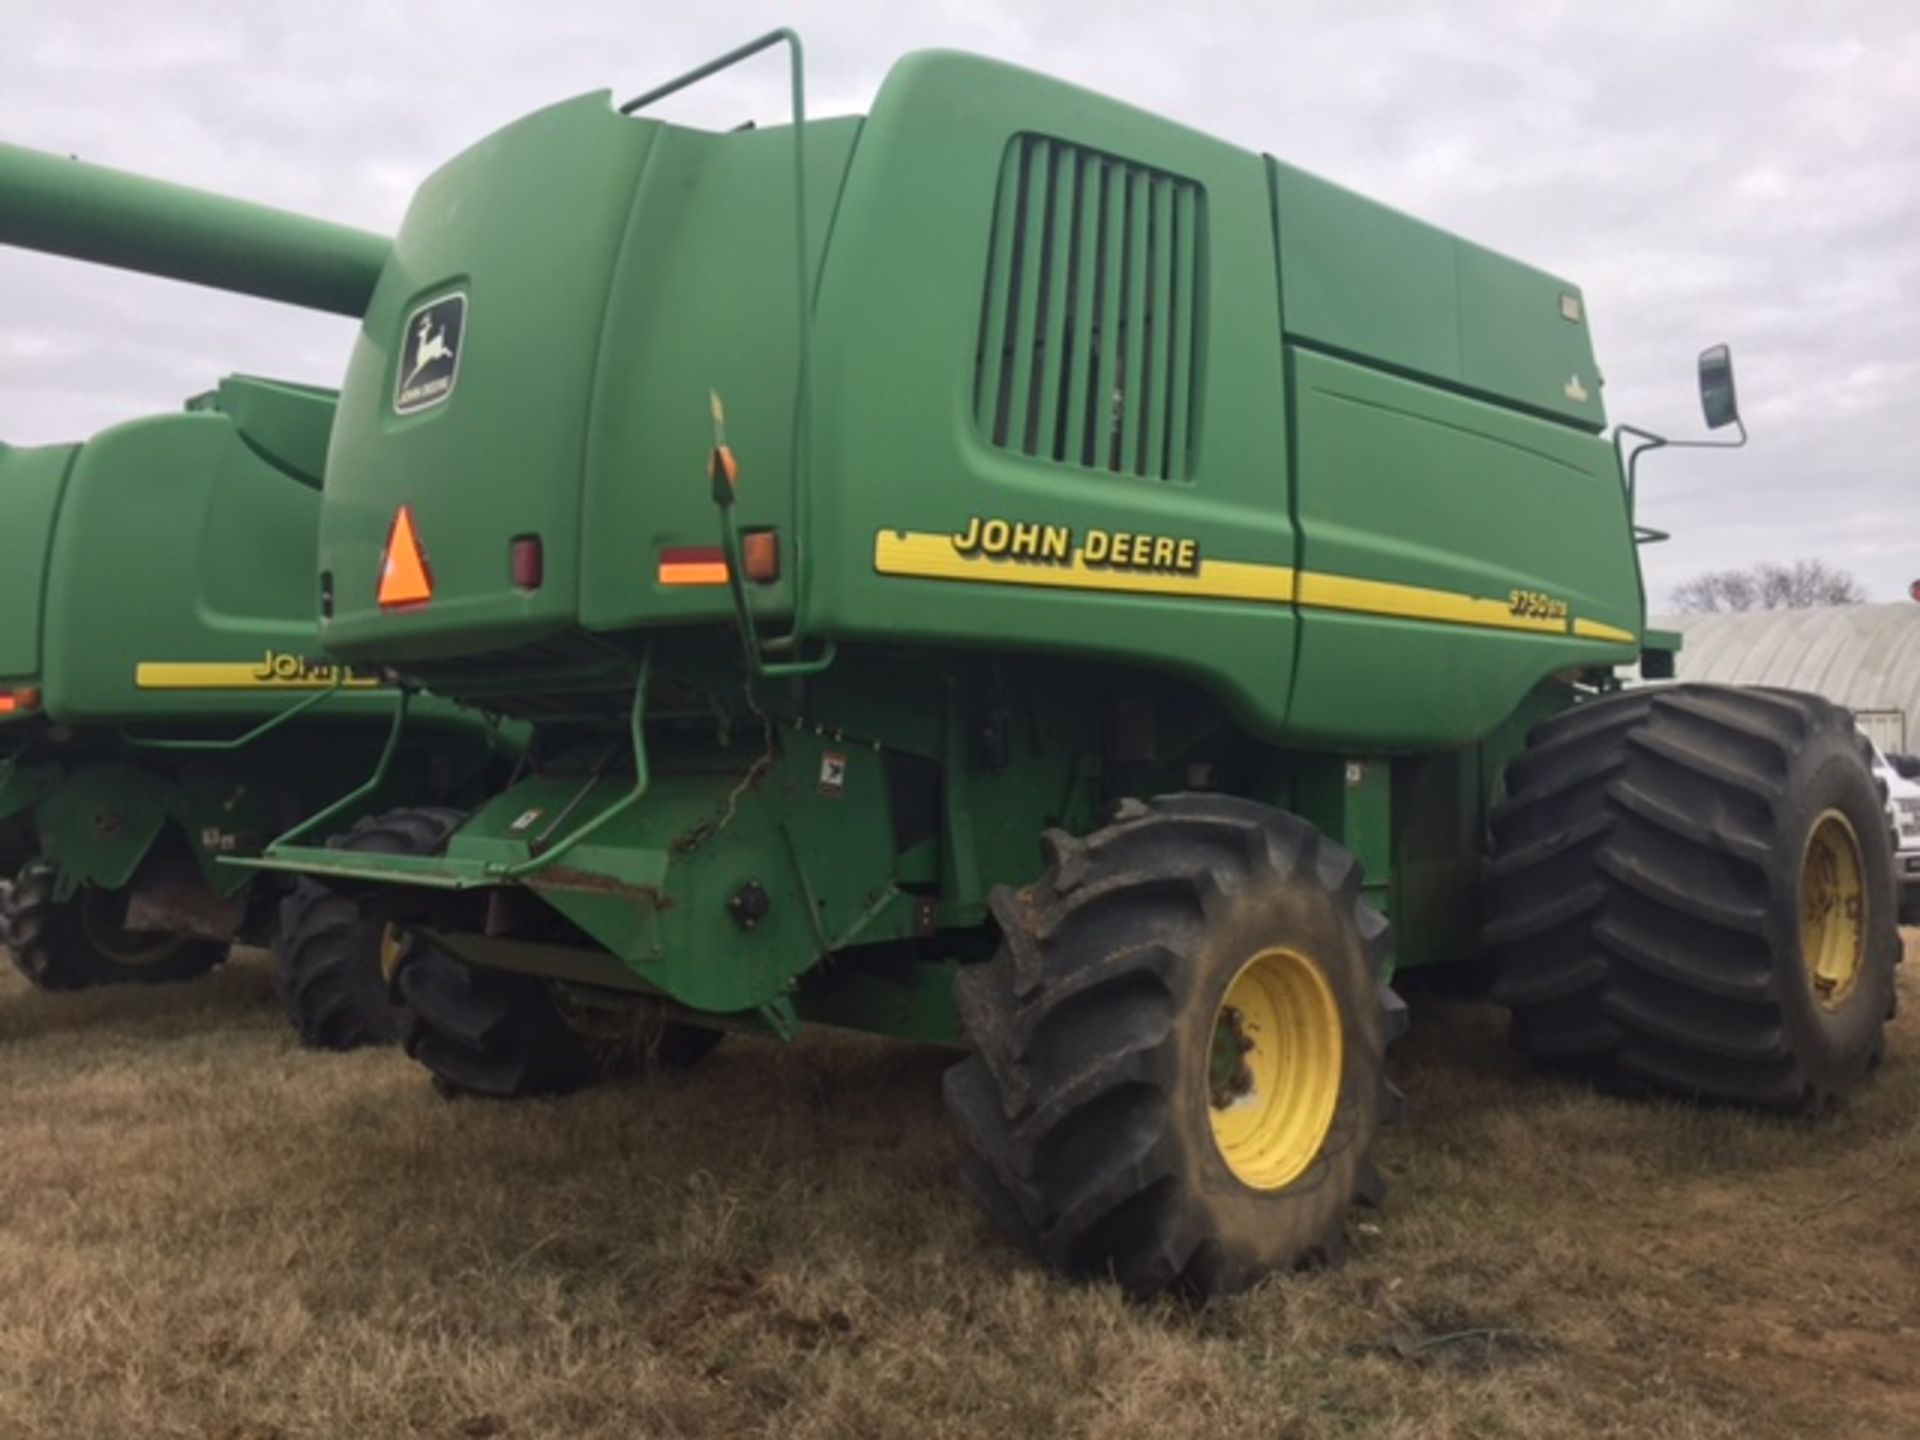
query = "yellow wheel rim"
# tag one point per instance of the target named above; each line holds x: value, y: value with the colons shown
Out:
x: 1274, y: 1069
x: 1833, y: 937
x: 393, y: 949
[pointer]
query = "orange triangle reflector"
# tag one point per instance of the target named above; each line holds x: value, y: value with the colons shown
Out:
x: 404, y: 578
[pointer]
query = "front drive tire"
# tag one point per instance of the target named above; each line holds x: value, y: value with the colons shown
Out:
x: 1177, y: 1072
x: 1691, y: 893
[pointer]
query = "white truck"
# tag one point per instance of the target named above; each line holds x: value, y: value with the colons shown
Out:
x: 1903, y: 814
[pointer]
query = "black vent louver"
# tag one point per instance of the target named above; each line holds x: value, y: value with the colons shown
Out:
x: 1092, y: 319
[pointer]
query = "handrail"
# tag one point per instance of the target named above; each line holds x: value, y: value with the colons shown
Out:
x: 642, y: 779
x: 161, y: 742
x: 373, y: 781
x: 283, y: 854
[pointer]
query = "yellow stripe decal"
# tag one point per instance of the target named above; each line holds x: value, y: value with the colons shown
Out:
x: 933, y: 557
x: 275, y: 672
x: 1594, y: 630
x: 938, y: 556
x: 1416, y: 602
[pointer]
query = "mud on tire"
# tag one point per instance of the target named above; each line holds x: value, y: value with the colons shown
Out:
x: 328, y: 954
x: 1087, y: 1104
x: 1651, y: 882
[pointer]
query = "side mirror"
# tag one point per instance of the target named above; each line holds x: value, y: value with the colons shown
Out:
x: 1717, y: 399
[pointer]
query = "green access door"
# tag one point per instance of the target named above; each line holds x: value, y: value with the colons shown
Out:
x: 1459, y: 515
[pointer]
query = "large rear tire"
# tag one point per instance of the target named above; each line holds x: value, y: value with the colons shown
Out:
x: 1690, y: 894
x: 332, y: 961
x: 77, y: 943
x: 1177, y: 1071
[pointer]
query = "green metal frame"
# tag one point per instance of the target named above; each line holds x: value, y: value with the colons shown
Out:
x: 239, y: 742
x: 444, y: 872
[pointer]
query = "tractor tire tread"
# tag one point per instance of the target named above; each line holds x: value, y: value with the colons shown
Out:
x: 1667, y: 975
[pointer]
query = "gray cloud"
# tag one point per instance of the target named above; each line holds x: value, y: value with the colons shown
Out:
x: 1707, y: 171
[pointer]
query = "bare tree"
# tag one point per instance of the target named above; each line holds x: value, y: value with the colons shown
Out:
x: 1769, y: 586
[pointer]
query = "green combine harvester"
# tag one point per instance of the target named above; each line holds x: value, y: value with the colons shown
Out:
x: 163, y: 706
x: 1008, y: 570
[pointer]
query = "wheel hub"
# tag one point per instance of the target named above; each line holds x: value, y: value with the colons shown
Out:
x: 1274, y: 1065
x: 1832, y: 908
x: 395, y: 945
x: 102, y: 927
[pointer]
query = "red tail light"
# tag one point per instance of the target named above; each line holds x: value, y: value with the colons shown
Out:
x: 527, y: 563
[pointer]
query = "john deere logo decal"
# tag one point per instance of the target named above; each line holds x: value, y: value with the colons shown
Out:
x: 430, y: 354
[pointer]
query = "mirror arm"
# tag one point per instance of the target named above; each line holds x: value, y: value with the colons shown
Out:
x: 1629, y: 460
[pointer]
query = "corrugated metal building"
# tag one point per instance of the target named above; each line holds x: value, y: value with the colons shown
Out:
x: 1866, y: 657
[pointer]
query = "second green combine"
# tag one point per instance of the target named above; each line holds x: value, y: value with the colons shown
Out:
x: 163, y: 706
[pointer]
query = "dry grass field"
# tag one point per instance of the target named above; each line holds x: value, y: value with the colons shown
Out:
x: 207, y: 1232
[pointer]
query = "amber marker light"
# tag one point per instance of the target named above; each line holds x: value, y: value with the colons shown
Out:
x: 693, y: 565
x: 760, y: 555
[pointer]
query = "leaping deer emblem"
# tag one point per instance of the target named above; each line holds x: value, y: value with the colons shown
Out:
x: 429, y: 345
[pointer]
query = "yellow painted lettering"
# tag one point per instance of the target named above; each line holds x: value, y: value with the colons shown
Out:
x: 994, y: 537
x: 1026, y: 541
x: 1056, y: 543
x: 1188, y: 556
x: 968, y: 543
x: 1163, y: 548
x: 1094, y: 552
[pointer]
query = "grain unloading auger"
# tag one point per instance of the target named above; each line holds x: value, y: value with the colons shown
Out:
x: 65, y: 206
x: 857, y: 506
x: 163, y: 702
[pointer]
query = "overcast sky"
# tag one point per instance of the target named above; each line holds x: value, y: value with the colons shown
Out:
x: 1746, y: 171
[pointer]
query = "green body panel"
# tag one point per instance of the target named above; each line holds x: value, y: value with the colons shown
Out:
x: 30, y: 486
x: 286, y: 425
x: 1363, y: 280
x: 503, y: 455
x: 68, y: 207
x: 1131, y: 462
x: 686, y: 852
x: 1462, y: 498
x: 899, y: 309
x: 180, y: 543
x: 699, y: 302
x: 99, y: 822
x: 671, y: 275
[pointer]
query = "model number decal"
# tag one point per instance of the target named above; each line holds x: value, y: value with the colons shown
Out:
x: 1536, y: 605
